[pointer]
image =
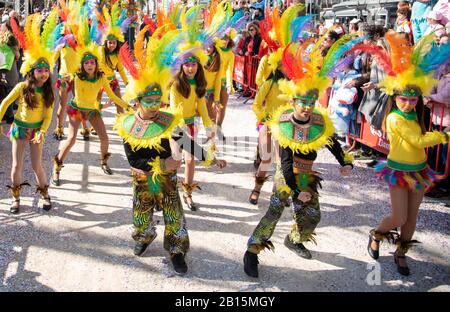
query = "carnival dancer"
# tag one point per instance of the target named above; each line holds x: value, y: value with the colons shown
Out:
x: 188, y: 92
x: 409, y: 78
x: 115, y: 24
x: 277, y: 33
x: 152, y: 141
x: 66, y: 55
x: 34, y: 114
x: 88, y: 81
x: 300, y: 129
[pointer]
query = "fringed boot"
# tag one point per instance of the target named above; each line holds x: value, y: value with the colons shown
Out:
x: 187, y: 193
x: 254, y: 195
x: 15, y: 192
x: 57, y: 166
x: 58, y: 134
x: 376, y: 236
x: 402, y: 248
x: 46, y: 203
x: 104, y: 164
x: 85, y: 133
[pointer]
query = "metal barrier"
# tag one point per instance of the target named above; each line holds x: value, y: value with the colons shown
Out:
x: 245, y: 69
x: 440, y: 175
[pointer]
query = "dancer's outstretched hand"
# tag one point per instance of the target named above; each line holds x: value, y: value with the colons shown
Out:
x: 171, y: 164
x: 345, y: 171
x: 304, y: 197
x: 220, y: 163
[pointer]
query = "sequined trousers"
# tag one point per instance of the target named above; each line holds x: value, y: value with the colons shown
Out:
x: 306, y: 216
x: 176, y: 239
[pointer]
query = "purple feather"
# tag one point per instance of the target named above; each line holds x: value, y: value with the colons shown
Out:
x: 126, y: 23
x: 240, y: 23
x: 341, y: 65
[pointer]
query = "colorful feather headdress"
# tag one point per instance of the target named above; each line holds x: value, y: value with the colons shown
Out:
x: 116, y: 22
x: 149, y: 66
x: 37, y: 46
x: 278, y: 31
x: 309, y: 74
x: 409, y: 70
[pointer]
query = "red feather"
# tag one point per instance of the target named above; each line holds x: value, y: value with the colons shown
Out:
x: 381, y: 55
x: 151, y: 24
x: 128, y: 61
x: 18, y: 33
x: 265, y: 27
x: 292, y: 64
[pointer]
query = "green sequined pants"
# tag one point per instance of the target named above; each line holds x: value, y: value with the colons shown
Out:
x: 306, y: 216
x: 176, y: 239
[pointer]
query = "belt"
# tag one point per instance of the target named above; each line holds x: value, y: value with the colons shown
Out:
x: 31, y: 125
x: 302, y: 165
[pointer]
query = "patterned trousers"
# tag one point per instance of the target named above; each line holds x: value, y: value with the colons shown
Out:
x: 306, y: 216
x: 176, y: 239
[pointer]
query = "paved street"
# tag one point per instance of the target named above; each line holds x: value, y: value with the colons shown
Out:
x: 84, y: 243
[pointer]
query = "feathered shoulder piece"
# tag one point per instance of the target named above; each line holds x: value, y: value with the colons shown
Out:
x: 300, y: 138
x: 409, y: 69
x: 37, y: 45
x: 147, y: 134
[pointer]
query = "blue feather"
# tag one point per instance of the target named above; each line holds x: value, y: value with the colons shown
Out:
x: 299, y: 24
x: 435, y: 57
x: 335, y: 54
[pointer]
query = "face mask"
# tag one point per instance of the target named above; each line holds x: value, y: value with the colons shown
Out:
x: 150, y: 103
x: 304, y: 102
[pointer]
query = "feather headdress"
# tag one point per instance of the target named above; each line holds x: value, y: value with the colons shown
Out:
x: 308, y: 75
x: 149, y: 66
x: 278, y: 31
x: 410, y: 70
x: 38, y: 51
x: 115, y: 21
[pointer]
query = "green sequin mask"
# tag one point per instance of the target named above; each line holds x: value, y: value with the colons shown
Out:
x: 154, y: 103
x: 42, y: 62
x: 305, y: 101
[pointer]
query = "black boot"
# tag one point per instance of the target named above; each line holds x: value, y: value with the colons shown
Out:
x: 251, y: 264
x: 140, y: 248
x: 299, y: 249
x: 179, y: 265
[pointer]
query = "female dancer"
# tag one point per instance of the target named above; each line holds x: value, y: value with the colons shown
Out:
x: 188, y: 92
x: 410, y: 77
x: 226, y: 70
x: 152, y: 141
x: 88, y: 82
x: 34, y: 114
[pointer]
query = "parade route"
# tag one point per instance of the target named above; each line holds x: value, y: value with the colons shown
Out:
x: 84, y: 243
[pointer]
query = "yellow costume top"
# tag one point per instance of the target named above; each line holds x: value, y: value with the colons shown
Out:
x: 190, y: 106
x: 24, y: 114
x: 407, y: 143
x: 67, y: 59
x: 116, y: 65
x: 86, y: 92
x: 267, y: 100
x: 213, y: 83
x: 227, y: 66
x: 264, y: 70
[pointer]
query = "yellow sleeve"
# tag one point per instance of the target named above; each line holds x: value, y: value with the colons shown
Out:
x: 400, y: 127
x: 122, y: 73
x: 260, y: 73
x: 218, y: 85
x: 230, y: 69
x: 47, y: 117
x: 201, y: 107
x: 261, y: 95
x: 112, y: 95
x: 176, y: 99
x: 56, y: 56
x: 12, y: 96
